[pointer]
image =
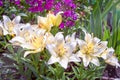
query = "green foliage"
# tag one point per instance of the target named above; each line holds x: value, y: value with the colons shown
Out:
x: 88, y: 73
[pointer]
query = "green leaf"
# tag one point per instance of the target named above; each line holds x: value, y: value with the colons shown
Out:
x: 32, y: 68
x: 109, y: 5
x: 23, y: 14
x: 63, y: 77
x: 118, y: 41
x: 106, y: 34
x: 13, y: 9
x: 107, y: 8
x: 96, y: 21
x: 44, y: 78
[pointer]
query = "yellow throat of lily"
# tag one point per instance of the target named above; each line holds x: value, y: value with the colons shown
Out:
x: 88, y: 49
x: 37, y: 42
x: 60, y: 50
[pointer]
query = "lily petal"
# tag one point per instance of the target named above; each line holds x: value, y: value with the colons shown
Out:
x: 44, y: 23
x: 64, y: 62
x: 113, y: 61
x: 80, y: 42
x: 17, y: 39
x: 6, y: 19
x: 79, y: 54
x: 4, y: 31
x: 52, y: 60
x: 88, y: 37
x: 50, y: 48
x: 17, y: 19
x: 73, y: 45
x: 95, y: 61
x: 58, y: 20
x: 28, y: 46
x: 74, y: 58
x: 100, y: 48
x: 29, y: 52
x: 86, y: 60
x: 73, y: 36
x: 96, y: 40
x: 107, y: 53
x: 59, y: 36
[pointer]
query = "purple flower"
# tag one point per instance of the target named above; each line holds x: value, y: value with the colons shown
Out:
x: 72, y: 5
x: 17, y: 2
x: 75, y: 17
x: 67, y: 6
x: 71, y: 14
x: 1, y: 3
x: 33, y: 9
x: 40, y: 9
x: 67, y: 1
x: 57, y: 7
x: 70, y: 23
x: 67, y: 13
x: 62, y: 25
x: 30, y: 2
x: 48, y: 5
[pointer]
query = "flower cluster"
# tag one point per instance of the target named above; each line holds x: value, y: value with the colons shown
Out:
x: 67, y: 6
x: 39, y: 5
x: 1, y: 3
x: 35, y: 6
x: 70, y: 15
x: 62, y: 49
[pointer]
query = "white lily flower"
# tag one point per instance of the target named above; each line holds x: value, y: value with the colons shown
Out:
x: 113, y: 61
x: 22, y: 32
x: 61, y: 52
x: 10, y: 24
x: 108, y: 56
x: 90, y: 49
x: 33, y: 40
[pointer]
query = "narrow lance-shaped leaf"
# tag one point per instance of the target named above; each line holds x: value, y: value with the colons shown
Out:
x: 97, y: 20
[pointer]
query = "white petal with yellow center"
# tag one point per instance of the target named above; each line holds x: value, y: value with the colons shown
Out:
x: 33, y: 40
x: 61, y: 52
x: 90, y: 49
x: 10, y: 24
